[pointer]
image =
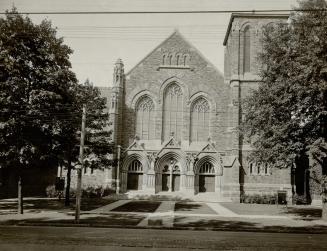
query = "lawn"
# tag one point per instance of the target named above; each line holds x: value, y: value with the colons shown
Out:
x: 138, y: 206
x: 255, y: 209
x: 193, y: 208
x: 34, y: 205
x: 266, y: 209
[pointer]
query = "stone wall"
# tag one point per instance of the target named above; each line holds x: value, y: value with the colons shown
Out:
x: 199, y: 77
x: 241, y: 84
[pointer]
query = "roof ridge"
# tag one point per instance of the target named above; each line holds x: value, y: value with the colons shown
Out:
x: 176, y: 31
x: 158, y: 46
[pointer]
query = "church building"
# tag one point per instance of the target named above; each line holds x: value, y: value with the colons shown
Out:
x: 175, y: 121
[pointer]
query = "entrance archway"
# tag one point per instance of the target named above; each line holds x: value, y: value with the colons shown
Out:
x: 135, y: 176
x: 170, y: 178
x: 165, y: 183
x: 206, y: 178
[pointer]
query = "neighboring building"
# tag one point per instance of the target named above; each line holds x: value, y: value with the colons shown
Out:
x: 176, y: 117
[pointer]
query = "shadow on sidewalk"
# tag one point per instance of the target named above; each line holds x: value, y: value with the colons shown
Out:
x: 235, y: 225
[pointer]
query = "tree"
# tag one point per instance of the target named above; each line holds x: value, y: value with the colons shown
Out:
x: 98, y: 144
x: 36, y: 91
x: 286, y: 116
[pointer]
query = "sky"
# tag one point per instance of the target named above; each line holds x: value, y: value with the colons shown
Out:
x: 99, y: 40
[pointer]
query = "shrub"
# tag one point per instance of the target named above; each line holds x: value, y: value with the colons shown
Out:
x: 92, y: 192
x: 300, y: 199
x: 258, y: 199
x: 51, y: 191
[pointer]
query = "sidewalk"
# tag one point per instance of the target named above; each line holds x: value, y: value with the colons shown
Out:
x: 168, y: 215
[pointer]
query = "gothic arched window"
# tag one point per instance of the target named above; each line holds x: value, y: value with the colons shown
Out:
x: 170, y: 59
x: 145, y: 118
x: 200, y: 120
x: 247, y: 50
x: 186, y: 59
x: 207, y: 168
x: 135, y: 166
x: 177, y: 59
x: 173, y: 112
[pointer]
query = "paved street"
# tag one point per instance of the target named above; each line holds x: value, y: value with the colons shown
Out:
x: 68, y: 238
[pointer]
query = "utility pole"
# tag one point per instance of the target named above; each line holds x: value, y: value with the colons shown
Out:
x: 80, y: 168
x: 20, y: 196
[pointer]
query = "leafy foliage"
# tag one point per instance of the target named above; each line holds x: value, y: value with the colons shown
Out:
x: 98, y: 144
x: 41, y: 101
x: 286, y: 115
x: 36, y: 89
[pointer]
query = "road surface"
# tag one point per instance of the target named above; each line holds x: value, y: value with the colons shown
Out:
x: 96, y: 239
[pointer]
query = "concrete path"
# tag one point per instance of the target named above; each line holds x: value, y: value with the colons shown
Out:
x: 163, y: 216
x: 109, y: 207
x: 221, y: 211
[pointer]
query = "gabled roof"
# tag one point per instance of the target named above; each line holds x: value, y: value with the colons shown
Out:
x: 209, y: 148
x: 135, y: 146
x: 250, y: 15
x: 172, y: 143
x: 176, y: 32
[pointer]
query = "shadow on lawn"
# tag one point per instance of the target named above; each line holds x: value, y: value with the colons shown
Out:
x: 310, y: 213
x: 38, y: 205
x: 186, y: 207
x: 138, y: 206
x: 108, y: 220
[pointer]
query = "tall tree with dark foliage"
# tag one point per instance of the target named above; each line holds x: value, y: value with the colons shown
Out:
x: 286, y: 116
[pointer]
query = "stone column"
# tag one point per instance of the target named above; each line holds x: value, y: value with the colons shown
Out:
x: 190, y: 182
x: 218, y: 179
x: 150, y: 181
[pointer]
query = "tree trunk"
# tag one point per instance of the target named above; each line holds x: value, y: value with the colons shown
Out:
x: 324, y: 194
x: 67, y: 192
x: 324, y: 210
x: 20, y: 196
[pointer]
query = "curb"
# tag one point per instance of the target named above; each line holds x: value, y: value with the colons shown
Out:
x: 296, y: 230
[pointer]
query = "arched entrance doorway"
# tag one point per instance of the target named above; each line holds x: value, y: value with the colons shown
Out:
x: 170, y: 178
x: 206, y: 178
x: 135, y: 175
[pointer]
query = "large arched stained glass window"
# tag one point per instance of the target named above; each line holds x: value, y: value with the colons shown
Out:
x: 200, y: 112
x: 247, y: 50
x: 145, y: 118
x: 173, y: 112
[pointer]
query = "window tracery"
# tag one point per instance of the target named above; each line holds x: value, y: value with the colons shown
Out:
x: 207, y: 168
x: 173, y: 112
x: 200, y: 112
x: 135, y: 166
x: 145, y: 118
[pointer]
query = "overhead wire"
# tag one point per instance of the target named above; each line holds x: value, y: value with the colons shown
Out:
x: 249, y: 11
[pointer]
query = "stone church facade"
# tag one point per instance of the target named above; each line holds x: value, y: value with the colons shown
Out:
x: 175, y: 119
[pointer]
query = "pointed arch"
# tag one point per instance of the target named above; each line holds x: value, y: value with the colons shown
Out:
x: 172, y: 112
x: 186, y: 59
x: 145, y: 118
x: 200, y: 120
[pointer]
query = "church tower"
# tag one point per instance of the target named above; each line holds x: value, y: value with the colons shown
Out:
x: 115, y: 110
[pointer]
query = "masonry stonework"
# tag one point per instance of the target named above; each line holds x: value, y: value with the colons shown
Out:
x: 215, y: 164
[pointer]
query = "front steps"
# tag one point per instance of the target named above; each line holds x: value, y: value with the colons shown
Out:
x: 171, y: 196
